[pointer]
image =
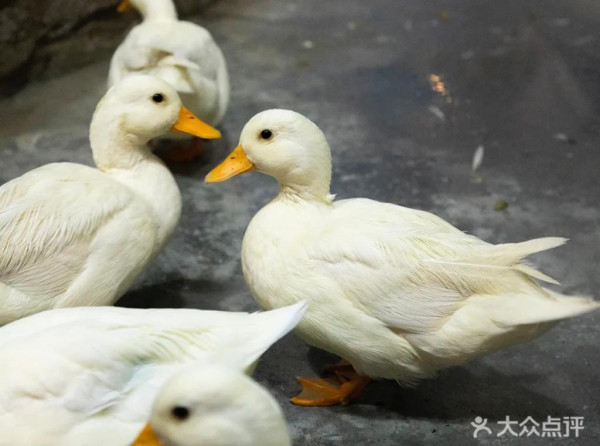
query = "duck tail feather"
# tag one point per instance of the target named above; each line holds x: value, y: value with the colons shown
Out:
x: 522, y: 310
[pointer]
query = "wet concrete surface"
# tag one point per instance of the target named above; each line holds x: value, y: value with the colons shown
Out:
x: 405, y: 92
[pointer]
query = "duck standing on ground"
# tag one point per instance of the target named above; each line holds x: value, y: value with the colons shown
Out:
x: 398, y: 293
x: 74, y: 235
x: 89, y: 376
x: 214, y: 406
x: 182, y: 54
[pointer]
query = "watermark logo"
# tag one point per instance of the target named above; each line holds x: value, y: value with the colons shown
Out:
x: 552, y: 427
x: 480, y: 424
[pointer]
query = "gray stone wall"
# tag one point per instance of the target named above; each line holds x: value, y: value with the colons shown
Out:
x: 43, y: 38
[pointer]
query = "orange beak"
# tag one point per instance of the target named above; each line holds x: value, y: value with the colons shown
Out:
x: 147, y: 438
x: 188, y: 123
x: 235, y: 164
x: 124, y: 6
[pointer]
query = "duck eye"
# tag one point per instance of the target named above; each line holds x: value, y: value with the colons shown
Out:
x: 180, y: 412
x: 158, y: 98
x: 266, y: 134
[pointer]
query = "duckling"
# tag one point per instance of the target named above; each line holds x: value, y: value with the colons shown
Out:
x: 214, y: 405
x: 88, y: 376
x: 398, y: 293
x: 182, y: 54
x: 74, y: 235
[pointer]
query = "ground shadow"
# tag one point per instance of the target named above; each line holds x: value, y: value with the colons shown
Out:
x: 160, y: 295
x: 179, y: 292
x: 457, y: 393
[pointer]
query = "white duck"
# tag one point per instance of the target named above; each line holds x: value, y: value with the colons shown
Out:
x: 182, y: 54
x: 74, y: 235
x: 399, y: 293
x: 89, y: 376
x: 214, y: 405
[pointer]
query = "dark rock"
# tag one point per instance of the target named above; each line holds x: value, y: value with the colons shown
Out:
x: 42, y: 39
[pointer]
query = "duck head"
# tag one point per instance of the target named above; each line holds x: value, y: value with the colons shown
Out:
x: 210, y: 405
x: 150, y: 9
x: 285, y: 145
x: 136, y: 110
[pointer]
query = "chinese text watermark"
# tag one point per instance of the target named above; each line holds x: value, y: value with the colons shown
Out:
x: 552, y: 427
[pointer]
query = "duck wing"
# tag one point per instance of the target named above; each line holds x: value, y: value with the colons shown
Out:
x: 69, y: 373
x: 49, y: 219
x: 181, y: 45
x: 411, y: 269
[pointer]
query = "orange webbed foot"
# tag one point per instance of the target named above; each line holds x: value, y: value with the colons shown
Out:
x: 346, y: 386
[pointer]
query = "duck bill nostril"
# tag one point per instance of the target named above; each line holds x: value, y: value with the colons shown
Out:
x: 188, y: 123
x: 235, y: 164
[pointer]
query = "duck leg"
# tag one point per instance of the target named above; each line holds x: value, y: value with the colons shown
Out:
x: 341, y: 367
x: 345, y: 386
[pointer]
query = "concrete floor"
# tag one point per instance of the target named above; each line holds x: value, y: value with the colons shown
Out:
x: 405, y: 92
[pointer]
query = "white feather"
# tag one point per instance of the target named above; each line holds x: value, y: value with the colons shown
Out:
x: 76, y: 235
x: 477, y: 159
x: 397, y: 292
x: 181, y: 53
x: 225, y: 406
x: 89, y: 375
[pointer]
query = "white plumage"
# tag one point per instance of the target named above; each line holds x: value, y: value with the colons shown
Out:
x: 88, y: 376
x: 75, y: 235
x: 214, y: 406
x: 181, y: 53
x: 397, y: 292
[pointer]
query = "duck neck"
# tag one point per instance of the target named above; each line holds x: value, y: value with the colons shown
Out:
x: 318, y: 192
x: 127, y: 159
x: 157, y: 10
x: 310, y: 181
